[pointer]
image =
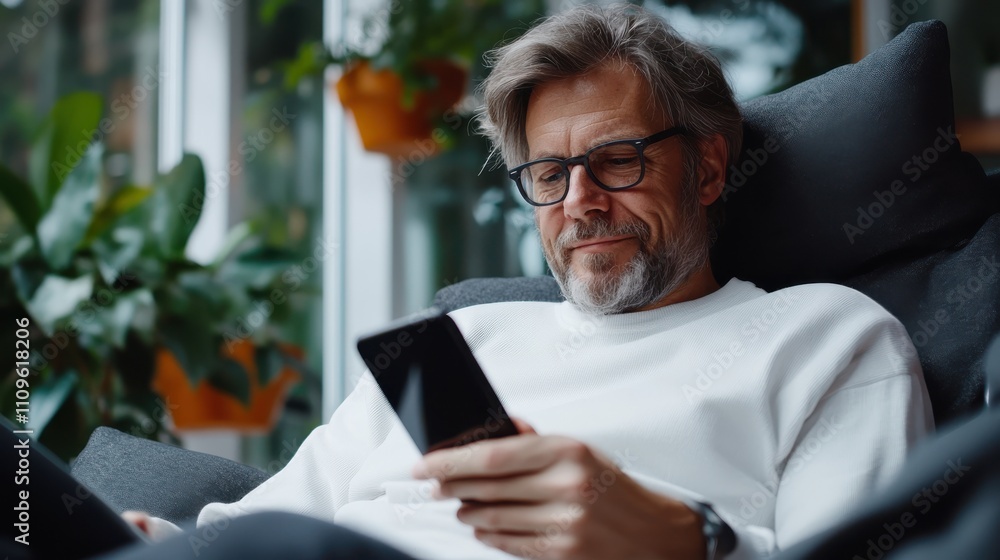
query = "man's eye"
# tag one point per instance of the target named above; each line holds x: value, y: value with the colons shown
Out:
x: 618, y: 160
x: 551, y: 178
x: 622, y: 160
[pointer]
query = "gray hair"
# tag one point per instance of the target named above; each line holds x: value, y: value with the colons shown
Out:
x: 688, y: 85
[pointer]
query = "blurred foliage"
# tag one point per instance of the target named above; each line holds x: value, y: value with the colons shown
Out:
x: 401, y: 35
x: 104, y: 280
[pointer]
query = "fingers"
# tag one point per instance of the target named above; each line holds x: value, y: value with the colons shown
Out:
x: 562, y: 482
x: 500, y: 457
x: 517, y: 517
x: 532, y: 545
x: 523, y: 427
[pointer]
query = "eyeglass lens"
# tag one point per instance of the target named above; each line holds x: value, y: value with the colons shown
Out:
x: 612, y: 166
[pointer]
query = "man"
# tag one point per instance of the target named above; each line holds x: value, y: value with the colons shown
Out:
x: 654, y: 401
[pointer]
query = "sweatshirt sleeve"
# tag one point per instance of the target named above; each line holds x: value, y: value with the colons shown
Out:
x: 316, y: 480
x: 855, y: 442
x: 848, y: 440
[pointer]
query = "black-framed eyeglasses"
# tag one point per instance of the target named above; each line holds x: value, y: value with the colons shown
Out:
x: 613, y: 166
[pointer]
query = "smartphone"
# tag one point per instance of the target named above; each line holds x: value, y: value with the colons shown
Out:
x: 431, y: 379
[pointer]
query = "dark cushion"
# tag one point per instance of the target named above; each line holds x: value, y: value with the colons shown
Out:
x: 855, y: 177
x: 853, y: 169
x: 131, y: 473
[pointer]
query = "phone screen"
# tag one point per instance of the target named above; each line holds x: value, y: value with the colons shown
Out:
x: 433, y: 382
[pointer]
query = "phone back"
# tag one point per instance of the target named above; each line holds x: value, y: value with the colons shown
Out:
x: 434, y: 383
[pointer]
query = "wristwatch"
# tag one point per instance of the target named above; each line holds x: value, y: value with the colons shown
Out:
x: 720, y: 539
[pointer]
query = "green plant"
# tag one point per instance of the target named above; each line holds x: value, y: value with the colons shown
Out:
x: 401, y: 35
x: 102, y: 276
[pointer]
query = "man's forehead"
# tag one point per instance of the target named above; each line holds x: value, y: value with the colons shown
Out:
x: 574, y: 113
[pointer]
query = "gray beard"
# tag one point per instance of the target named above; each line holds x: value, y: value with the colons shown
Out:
x: 651, y: 274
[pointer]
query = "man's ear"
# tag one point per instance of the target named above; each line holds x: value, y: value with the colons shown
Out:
x: 712, y: 169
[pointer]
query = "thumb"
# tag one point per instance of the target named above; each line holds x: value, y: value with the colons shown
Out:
x: 522, y: 426
x: 139, y: 519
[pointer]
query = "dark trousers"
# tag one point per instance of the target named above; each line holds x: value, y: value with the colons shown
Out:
x: 265, y: 536
x: 261, y: 536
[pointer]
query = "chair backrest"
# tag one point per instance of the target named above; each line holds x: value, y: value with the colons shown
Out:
x: 856, y: 177
x: 869, y: 187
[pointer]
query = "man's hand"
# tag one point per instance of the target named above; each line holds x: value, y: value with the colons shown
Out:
x: 154, y: 528
x: 554, y: 497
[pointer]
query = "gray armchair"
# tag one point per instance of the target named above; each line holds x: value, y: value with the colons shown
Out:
x: 828, y: 190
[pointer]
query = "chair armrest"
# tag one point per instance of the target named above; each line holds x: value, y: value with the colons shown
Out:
x: 131, y: 473
x: 476, y: 291
x: 991, y: 365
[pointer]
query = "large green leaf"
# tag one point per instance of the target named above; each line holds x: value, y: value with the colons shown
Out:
x: 116, y: 251
x: 64, y: 139
x: 57, y: 298
x: 16, y: 251
x: 176, y: 205
x: 48, y: 398
x: 18, y: 195
x: 114, y: 315
x: 191, y: 344
x: 27, y: 276
x: 270, y: 360
x: 235, y: 237
x: 63, y: 227
x: 123, y: 201
x: 231, y: 377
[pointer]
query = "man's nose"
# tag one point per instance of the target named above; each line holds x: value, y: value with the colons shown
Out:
x: 584, y: 195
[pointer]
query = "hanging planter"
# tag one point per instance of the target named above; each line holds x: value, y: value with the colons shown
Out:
x: 385, y: 121
x: 203, y: 406
x: 411, y: 65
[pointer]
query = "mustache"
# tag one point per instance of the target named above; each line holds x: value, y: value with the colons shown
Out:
x: 600, y: 227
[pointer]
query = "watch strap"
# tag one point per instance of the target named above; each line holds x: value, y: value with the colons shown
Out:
x: 720, y: 539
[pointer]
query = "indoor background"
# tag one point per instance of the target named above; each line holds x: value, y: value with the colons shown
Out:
x: 298, y: 239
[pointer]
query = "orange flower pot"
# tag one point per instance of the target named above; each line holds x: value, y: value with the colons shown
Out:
x: 205, y: 407
x: 375, y: 98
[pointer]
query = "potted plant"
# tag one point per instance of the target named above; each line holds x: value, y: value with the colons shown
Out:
x: 413, y: 66
x: 99, y: 274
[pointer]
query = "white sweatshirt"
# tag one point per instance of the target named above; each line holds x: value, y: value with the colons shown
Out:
x: 782, y: 409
